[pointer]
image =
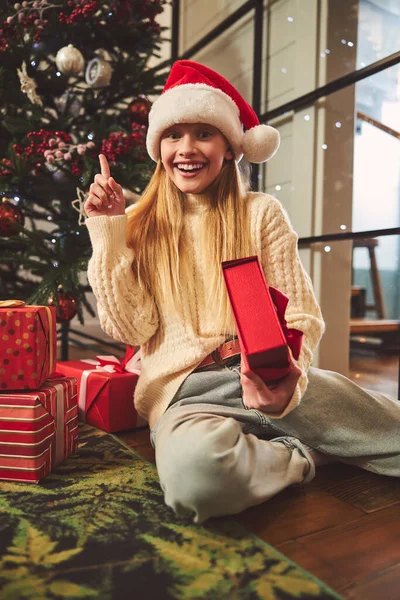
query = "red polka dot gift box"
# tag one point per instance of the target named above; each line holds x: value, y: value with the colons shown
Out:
x: 28, y: 340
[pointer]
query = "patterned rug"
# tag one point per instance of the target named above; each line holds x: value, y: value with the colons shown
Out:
x: 98, y: 527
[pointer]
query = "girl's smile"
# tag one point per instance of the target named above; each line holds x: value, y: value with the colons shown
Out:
x: 193, y: 155
x: 188, y: 169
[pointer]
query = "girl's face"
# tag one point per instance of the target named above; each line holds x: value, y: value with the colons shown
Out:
x: 193, y: 155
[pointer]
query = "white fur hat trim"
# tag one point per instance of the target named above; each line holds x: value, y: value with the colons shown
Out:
x: 194, y: 103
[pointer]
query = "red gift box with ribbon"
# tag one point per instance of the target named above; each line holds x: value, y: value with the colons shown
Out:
x: 28, y: 340
x: 38, y: 429
x: 259, y: 314
x: 105, y: 390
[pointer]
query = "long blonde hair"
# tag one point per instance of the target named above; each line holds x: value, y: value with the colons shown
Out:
x: 154, y: 234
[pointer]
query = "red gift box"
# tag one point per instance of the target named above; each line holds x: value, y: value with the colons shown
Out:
x: 38, y: 430
x: 105, y: 391
x: 259, y: 316
x: 28, y: 340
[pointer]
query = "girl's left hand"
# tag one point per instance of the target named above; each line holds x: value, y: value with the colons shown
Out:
x: 273, y: 397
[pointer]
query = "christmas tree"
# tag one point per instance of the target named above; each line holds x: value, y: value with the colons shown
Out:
x: 74, y: 82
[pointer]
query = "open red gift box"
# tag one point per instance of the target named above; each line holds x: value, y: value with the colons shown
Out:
x: 258, y: 312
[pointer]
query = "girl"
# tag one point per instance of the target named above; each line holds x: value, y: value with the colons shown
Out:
x: 156, y: 274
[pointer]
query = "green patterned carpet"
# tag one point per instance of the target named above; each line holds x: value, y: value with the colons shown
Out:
x: 98, y: 527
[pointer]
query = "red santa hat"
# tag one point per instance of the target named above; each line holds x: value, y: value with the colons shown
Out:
x: 194, y: 93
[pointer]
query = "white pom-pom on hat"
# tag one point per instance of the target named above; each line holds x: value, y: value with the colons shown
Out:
x: 260, y: 143
x: 195, y: 93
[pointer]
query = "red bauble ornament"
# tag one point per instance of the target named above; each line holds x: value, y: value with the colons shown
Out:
x: 139, y: 110
x: 66, y: 308
x: 9, y: 216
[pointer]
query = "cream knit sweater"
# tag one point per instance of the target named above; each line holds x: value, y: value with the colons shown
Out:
x: 174, y: 345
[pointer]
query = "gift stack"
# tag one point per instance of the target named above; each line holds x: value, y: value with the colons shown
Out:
x: 38, y: 409
x: 105, y: 390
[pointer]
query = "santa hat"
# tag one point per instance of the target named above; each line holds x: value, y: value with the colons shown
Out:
x: 194, y: 93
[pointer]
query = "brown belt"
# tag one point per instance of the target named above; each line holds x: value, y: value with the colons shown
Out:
x: 227, y: 350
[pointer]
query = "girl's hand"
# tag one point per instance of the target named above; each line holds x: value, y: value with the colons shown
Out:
x: 105, y: 194
x: 270, y: 398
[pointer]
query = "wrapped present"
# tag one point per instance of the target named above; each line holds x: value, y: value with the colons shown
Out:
x: 105, y: 390
x: 259, y: 313
x: 28, y: 340
x: 38, y: 429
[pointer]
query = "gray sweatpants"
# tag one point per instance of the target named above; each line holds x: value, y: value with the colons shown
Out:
x: 216, y: 457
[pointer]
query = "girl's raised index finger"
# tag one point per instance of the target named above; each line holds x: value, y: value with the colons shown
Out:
x: 104, y: 166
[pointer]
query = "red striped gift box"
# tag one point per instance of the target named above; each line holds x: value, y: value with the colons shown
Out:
x: 38, y: 430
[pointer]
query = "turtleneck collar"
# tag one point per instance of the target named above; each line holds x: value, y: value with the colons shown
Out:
x: 195, y: 203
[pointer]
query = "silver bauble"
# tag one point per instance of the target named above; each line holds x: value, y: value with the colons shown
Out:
x: 98, y: 73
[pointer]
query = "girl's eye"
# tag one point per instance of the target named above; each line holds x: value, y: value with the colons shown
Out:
x: 171, y: 135
x: 204, y: 134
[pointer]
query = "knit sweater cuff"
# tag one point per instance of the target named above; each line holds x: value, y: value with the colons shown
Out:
x: 107, y: 232
x: 293, y: 402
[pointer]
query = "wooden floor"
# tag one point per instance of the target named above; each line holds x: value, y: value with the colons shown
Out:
x: 373, y: 371
x: 344, y: 527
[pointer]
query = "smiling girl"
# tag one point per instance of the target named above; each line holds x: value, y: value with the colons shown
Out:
x: 156, y: 274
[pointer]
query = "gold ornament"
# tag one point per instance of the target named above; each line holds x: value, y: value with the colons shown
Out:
x: 79, y: 205
x: 69, y: 60
x: 98, y: 73
x: 28, y: 85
